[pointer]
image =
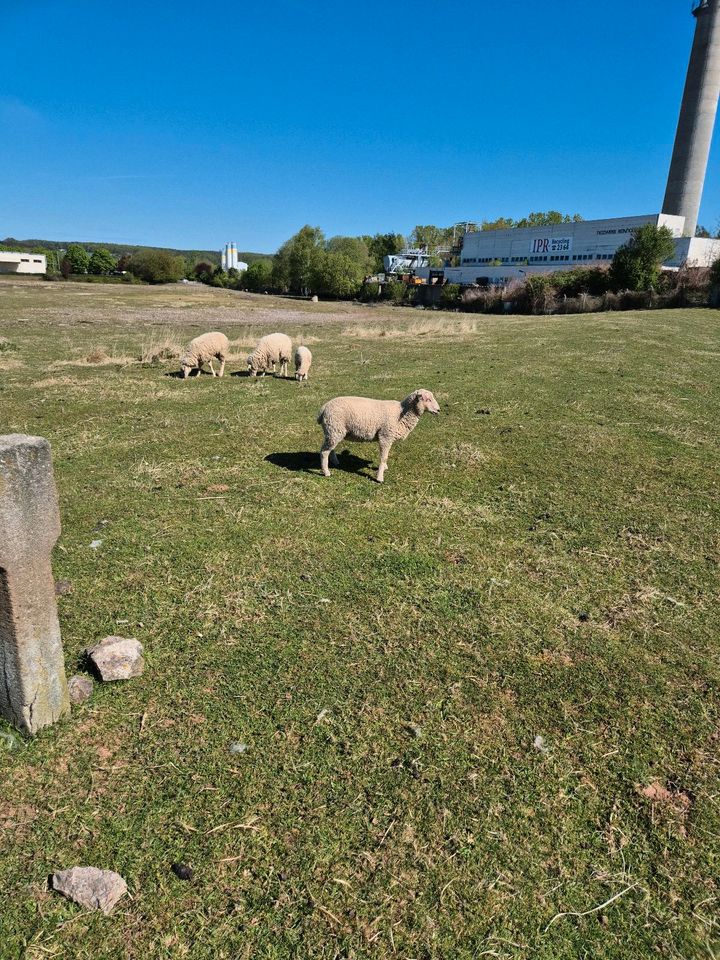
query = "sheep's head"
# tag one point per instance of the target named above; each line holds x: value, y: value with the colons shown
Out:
x: 423, y: 401
x: 186, y: 365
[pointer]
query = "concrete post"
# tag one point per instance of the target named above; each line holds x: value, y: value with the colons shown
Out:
x: 33, y: 688
x: 697, y: 119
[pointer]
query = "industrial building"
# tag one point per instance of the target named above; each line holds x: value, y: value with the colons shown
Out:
x: 494, y: 257
x: 22, y: 262
x: 229, y: 259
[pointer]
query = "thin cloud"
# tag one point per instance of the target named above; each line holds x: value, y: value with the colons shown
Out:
x: 16, y: 112
x: 132, y: 176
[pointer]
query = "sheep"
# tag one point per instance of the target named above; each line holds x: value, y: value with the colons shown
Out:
x: 202, y: 350
x: 365, y: 420
x: 303, y: 361
x: 269, y: 350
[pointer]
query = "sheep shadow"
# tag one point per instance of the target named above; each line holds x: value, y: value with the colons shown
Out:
x: 306, y: 462
x: 178, y: 374
x: 268, y: 376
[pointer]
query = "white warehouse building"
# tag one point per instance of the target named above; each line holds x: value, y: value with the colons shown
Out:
x: 497, y: 256
x: 22, y: 262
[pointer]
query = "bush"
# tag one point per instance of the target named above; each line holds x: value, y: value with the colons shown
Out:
x: 450, y: 296
x: 157, y: 266
x: 714, y: 277
x: 397, y: 291
x: 637, y: 265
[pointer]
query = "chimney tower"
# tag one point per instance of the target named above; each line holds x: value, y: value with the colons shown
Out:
x: 697, y: 119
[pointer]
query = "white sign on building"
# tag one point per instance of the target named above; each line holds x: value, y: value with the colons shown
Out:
x: 551, y: 245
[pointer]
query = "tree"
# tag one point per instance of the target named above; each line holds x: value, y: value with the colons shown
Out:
x: 336, y: 274
x: 295, y: 263
x: 383, y: 245
x: 548, y: 219
x: 202, y: 271
x: 157, y: 266
x: 102, y: 262
x: 355, y: 249
x: 65, y: 267
x: 258, y: 276
x: 502, y: 223
x: 432, y: 237
x: 715, y: 274
x: 78, y: 258
x: 636, y: 265
x: 703, y: 232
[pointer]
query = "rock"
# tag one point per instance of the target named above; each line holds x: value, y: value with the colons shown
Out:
x: 182, y: 871
x: 90, y: 887
x: 540, y: 745
x: 62, y: 588
x: 96, y: 544
x: 238, y: 747
x: 79, y: 688
x: 117, y: 658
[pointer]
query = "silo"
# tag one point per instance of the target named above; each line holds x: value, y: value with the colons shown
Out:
x: 697, y: 118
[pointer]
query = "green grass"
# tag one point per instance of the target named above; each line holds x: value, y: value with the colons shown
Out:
x: 388, y: 653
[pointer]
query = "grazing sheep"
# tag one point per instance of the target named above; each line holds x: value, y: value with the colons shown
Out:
x: 364, y: 420
x: 202, y: 350
x: 303, y: 360
x: 269, y: 350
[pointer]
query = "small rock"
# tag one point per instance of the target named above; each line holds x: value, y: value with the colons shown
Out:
x: 540, y: 745
x: 182, y: 871
x: 79, y: 688
x: 117, y: 658
x: 414, y: 730
x: 62, y: 588
x: 238, y: 747
x: 96, y: 544
x: 90, y: 887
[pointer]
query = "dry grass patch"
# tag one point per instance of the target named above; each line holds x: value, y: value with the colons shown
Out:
x: 437, y: 327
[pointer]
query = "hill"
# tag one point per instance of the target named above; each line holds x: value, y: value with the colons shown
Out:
x: 122, y: 249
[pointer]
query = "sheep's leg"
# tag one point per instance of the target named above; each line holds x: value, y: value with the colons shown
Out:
x: 212, y: 368
x: 222, y: 366
x: 334, y: 459
x: 327, y: 452
x: 384, y: 451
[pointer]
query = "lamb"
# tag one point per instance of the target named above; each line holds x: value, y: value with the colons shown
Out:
x: 269, y: 350
x: 202, y: 350
x: 303, y: 360
x: 365, y: 420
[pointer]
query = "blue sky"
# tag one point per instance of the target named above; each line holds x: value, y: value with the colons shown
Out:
x: 174, y: 123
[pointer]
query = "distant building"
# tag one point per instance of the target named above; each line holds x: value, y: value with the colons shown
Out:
x: 229, y: 259
x: 496, y: 256
x: 22, y: 262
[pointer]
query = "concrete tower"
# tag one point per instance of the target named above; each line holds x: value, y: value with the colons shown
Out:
x: 697, y: 118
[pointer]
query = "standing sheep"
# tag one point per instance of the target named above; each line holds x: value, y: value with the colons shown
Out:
x: 202, y: 350
x: 269, y: 350
x: 303, y: 361
x: 364, y: 420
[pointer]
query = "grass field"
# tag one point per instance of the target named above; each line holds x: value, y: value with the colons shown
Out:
x: 541, y: 562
